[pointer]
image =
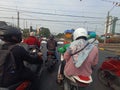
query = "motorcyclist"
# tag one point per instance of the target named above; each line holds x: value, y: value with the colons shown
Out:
x: 11, y: 36
x: 52, y: 44
x: 80, y: 57
x: 92, y: 38
x: 32, y: 40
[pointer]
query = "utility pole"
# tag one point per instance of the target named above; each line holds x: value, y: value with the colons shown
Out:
x: 108, y: 17
x: 114, y: 24
x: 12, y: 20
x: 107, y: 24
x: 18, y: 19
x: 26, y: 24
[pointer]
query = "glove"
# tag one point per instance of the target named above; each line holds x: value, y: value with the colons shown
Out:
x: 39, y: 54
x: 40, y: 57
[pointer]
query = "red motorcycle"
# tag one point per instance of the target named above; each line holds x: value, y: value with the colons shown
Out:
x: 109, y: 72
x: 23, y: 85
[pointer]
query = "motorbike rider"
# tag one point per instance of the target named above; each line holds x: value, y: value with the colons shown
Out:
x: 11, y: 36
x: 92, y: 38
x: 52, y: 45
x: 32, y: 40
x: 80, y: 57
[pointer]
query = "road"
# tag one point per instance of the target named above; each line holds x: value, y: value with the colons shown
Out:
x: 48, y: 80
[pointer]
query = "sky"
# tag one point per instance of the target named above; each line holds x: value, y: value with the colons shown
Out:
x: 60, y: 15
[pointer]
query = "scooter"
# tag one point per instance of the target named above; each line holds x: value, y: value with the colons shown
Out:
x: 73, y: 83
x: 51, y: 60
x: 109, y: 72
x: 33, y: 50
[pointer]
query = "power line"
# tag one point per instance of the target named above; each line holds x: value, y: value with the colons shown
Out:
x: 52, y: 20
x: 65, y: 15
x: 53, y: 9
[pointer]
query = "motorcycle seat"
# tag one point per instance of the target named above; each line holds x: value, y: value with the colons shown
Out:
x: 83, y: 79
x: 80, y: 78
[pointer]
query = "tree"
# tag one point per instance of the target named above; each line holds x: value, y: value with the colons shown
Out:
x: 60, y: 35
x: 44, y: 32
x: 25, y: 33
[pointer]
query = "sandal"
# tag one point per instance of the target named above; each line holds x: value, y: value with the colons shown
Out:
x: 59, y: 78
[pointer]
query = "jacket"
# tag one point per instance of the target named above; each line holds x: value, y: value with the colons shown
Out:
x: 21, y: 55
x: 51, y: 44
x: 86, y: 67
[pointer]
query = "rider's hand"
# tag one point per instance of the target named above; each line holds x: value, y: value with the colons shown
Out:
x: 39, y: 54
x: 40, y: 57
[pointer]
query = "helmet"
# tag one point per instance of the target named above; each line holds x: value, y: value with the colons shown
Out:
x: 10, y: 34
x: 92, y: 35
x: 32, y: 33
x: 80, y: 32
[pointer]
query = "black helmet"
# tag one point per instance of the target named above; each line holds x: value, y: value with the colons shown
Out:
x: 10, y: 34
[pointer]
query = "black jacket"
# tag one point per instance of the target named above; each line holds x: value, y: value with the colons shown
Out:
x: 51, y: 44
x: 21, y: 55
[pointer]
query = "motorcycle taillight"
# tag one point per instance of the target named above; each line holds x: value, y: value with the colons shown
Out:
x: 23, y: 85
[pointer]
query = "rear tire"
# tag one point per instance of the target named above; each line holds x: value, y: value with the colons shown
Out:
x: 66, y: 85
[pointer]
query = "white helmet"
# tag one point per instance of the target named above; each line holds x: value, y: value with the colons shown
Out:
x: 32, y: 33
x: 79, y: 32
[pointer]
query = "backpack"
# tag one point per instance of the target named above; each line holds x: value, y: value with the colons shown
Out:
x: 7, y: 66
x: 51, y: 45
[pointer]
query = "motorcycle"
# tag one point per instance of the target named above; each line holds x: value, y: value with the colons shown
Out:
x: 33, y: 50
x: 71, y: 83
x: 23, y: 85
x: 109, y: 72
x: 51, y: 60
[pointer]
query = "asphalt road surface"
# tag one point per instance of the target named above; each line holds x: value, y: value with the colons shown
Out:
x: 48, y: 80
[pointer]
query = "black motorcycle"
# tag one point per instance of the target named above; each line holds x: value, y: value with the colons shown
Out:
x: 51, y: 60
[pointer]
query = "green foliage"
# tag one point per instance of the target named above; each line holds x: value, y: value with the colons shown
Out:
x: 60, y: 35
x: 44, y: 32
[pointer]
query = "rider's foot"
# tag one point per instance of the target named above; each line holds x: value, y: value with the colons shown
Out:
x: 59, y: 78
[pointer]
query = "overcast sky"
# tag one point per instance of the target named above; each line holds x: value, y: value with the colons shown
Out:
x: 60, y: 15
